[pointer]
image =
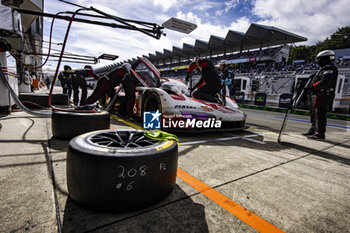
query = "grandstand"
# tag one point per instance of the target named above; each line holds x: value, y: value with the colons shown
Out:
x: 257, y: 37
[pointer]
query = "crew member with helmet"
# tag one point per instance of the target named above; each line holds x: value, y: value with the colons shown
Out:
x: 106, y: 85
x: 209, y: 86
x: 79, y: 81
x: 227, y: 76
x: 323, y: 89
x: 65, y: 78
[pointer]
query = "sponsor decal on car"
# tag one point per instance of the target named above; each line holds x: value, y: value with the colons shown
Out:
x: 184, y: 107
x: 207, y: 109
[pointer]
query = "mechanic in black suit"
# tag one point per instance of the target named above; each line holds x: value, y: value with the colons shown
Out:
x: 209, y: 86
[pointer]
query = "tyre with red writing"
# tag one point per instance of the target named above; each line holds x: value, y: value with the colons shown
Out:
x: 120, y: 170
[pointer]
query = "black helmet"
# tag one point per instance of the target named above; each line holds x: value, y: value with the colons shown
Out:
x: 325, y: 57
x: 67, y: 67
x: 88, y: 67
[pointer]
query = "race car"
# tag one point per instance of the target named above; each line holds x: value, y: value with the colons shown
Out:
x: 166, y: 103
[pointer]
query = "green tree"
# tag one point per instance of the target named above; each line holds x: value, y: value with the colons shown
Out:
x: 338, y: 40
x: 300, y: 53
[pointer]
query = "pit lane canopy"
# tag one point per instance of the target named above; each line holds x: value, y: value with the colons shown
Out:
x: 257, y: 36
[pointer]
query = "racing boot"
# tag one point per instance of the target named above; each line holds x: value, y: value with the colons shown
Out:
x: 219, y: 99
x: 310, y: 132
x: 317, y: 137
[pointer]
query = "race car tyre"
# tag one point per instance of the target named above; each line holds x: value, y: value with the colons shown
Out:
x: 42, y: 99
x: 67, y: 125
x: 120, y: 170
x: 152, y: 103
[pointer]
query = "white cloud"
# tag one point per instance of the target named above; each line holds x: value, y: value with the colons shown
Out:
x: 312, y: 19
x: 166, y: 4
x: 241, y: 25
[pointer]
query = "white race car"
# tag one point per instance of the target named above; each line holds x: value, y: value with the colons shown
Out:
x: 170, y: 99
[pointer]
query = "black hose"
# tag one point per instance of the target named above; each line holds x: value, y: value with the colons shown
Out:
x: 18, y: 101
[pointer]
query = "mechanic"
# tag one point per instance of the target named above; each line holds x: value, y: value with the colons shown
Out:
x: 105, y: 85
x: 209, y: 86
x: 79, y: 81
x: 323, y: 89
x: 47, y: 82
x: 65, y: 78
x: 227, y: 76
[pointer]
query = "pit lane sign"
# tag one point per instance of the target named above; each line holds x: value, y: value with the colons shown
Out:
x: 179, y: 25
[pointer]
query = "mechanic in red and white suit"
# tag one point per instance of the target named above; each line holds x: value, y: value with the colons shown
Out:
x: 209, y: 86
x: 106, y: 84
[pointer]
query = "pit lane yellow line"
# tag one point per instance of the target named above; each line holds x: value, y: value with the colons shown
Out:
x: 235, y: 209
x: 127, y: 122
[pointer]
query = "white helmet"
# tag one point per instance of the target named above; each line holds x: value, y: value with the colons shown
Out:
x: 223, y: 63
x: 325, y: 57
x: 326, y: 53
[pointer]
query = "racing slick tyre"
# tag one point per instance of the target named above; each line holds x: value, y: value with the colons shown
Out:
x: 152, y: 103
x: 120, y: 170
x: 42, y: 99
x: 67, y: 125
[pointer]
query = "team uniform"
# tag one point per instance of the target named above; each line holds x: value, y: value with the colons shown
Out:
x: 106, y: 85
x: 79, y: 81
x: 227, y: 77
x: 323, y: 88
x: 210, y: 84
x: 323, y: 92
x: 65, y: 77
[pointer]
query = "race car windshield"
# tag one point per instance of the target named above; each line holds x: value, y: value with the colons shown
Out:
x: 147, y: 75
x: 177, y: 87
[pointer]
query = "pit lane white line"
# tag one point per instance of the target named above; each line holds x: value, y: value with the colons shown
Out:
x: 248, y: 138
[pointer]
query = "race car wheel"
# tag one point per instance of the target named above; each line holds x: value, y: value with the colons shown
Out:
x: 42, y: 99
x: 67, y: 125
x: 152, y: 103
x: 120, y: 170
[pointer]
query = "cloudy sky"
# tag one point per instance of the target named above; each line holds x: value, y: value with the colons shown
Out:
x: 314, y: 20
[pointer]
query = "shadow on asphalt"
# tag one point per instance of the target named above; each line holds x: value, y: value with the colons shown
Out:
x: 58, y: 145
x: 319, y: 153
x: 242, y: 138
x: 176, y: 213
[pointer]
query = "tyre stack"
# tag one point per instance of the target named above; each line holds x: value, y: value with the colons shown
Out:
x: 67, y: 125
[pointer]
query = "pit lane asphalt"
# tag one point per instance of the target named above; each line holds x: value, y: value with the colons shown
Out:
x: 241, y: 181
